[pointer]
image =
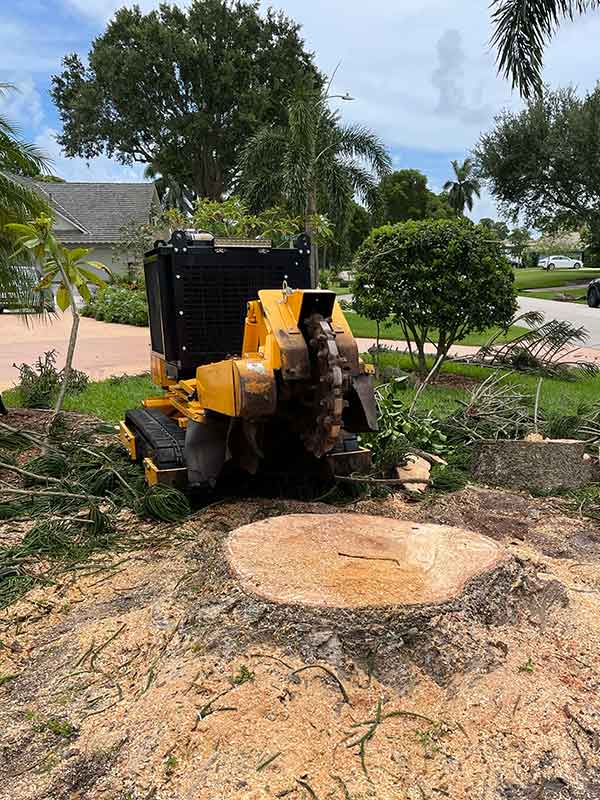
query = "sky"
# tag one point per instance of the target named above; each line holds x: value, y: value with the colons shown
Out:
x: 422, y: 74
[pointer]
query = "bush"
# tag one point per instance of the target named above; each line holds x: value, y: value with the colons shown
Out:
x: 39, y: 384
x: 127, y: 306
x: 434, y: 275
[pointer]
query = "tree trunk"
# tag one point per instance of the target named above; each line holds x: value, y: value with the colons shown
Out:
x: 377, y: 338
x: 70, y: 351
x: 311, y: 210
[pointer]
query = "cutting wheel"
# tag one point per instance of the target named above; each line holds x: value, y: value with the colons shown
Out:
x: 330, y: 384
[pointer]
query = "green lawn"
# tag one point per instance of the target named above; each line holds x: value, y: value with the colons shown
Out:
x: 366, y: 329
x: 540, y: 278
x: 340, y: 289
x: 579, y: 294
x: 557, y: 396
x: 108, y: 399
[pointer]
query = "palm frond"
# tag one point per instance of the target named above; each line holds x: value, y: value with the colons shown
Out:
x: 522, y: 29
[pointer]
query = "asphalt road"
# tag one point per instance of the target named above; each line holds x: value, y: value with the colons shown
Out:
x: 572, y: 312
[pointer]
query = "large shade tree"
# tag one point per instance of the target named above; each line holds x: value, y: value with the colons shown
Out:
x: 313, y: 163
x: 463, y: 187
x: 181, y: 89
x: 522, y: 29
x: 542, y: 164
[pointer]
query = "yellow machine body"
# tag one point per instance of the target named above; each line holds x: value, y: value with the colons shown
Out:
x: 275, y: 364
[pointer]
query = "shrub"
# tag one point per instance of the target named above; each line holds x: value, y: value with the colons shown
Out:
x: 39, y: 384
x: 118, y: 304
x: 435, y: 275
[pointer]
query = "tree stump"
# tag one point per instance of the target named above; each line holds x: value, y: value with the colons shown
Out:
x: 359, y: 591
x: 548, y: 464
x: 353, y: 561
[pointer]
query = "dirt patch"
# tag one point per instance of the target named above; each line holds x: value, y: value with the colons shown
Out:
x: 161, y: 679
x: 449, y: 381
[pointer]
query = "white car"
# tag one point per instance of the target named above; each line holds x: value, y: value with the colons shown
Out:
x: 559, y: 262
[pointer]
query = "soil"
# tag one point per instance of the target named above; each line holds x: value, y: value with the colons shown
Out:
x: 156, y: 677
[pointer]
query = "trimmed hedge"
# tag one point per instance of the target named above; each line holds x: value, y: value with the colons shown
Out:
x: 118, y: 304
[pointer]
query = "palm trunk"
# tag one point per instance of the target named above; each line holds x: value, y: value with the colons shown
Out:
x: 311, y: 210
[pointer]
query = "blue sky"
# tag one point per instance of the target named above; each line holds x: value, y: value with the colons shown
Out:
x: 422, y: 74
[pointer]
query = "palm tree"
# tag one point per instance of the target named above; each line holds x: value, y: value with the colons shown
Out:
x: 464, y: 187
x: 521, y: 31
x: 171, y: 193
x: 313, y: 165
x: 18, y: 202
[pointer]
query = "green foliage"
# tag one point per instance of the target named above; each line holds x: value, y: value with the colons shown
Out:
x: 463, y: 187
x: 404, y: 195
x: 542, y: 164
x: 181, y: 89
x: 443, y: 275
x: 165, y: 504
x: 18, y: 201
x: 39, y: 383
x: 4, y: 679
x: 399, y: 430
x: 51, y: 464
x: 521, y: 32
x: 313, y: 164
x: 127, y: 306
x: 528, y: 666
x: 243, y: 675
x: 498, y: 229
x: 232, y: 217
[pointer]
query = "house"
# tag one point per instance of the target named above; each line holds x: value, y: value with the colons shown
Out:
x: 93, y: 215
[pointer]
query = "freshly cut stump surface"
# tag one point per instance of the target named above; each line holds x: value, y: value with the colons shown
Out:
x: 356, y: 560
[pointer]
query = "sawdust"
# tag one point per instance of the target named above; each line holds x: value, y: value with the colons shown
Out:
x: 157, y: 679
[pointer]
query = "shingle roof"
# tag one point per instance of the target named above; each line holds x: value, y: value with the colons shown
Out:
x: 99, y: 210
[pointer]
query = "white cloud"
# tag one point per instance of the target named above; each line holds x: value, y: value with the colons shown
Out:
x: 23, y: 105
x: 102, y: 169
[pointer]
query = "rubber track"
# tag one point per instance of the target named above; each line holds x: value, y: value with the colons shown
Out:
x: 160, y: 437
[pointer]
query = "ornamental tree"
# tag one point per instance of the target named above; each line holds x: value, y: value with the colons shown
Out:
x: 440, y: 280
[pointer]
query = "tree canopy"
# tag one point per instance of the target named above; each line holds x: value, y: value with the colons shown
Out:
x: 499, y: 229
x: 313, y: 163
x: 543, y: 163
x: 443, y: 277
x: 404, y: 195
x: 182, y: 89
x: 18, y: 201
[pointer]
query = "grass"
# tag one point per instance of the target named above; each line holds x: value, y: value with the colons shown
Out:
x: 367, y: 329
x: 554, y: 294
x: 340, y: 289
x: 557, y: 396
x: 541, y: 279
x: 108, y: 399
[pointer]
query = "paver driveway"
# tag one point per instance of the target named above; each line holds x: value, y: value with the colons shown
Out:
x: 102, y: 349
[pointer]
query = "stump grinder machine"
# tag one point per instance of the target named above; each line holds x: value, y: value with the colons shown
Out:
x: 261, y: 372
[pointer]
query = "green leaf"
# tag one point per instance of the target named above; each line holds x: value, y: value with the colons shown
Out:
x: 91, y: 277
x: 63, y: 297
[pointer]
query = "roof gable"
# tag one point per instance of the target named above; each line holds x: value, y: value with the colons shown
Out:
x: 98, y: 211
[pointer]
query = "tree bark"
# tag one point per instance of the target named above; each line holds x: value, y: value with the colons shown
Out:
x: 70, y: 350
x: 311, y: 210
